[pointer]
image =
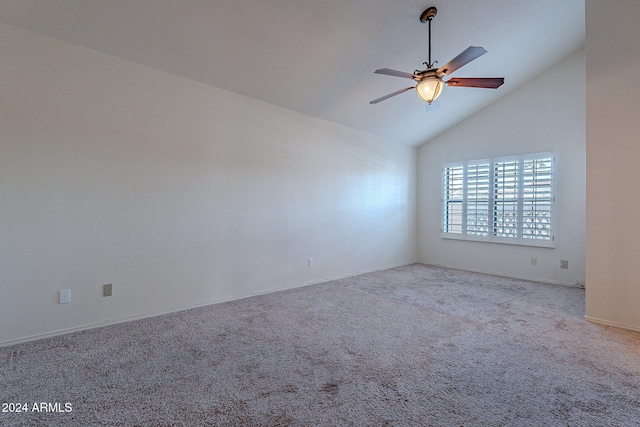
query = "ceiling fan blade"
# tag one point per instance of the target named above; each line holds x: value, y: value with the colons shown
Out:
x: 482, y: 82
x: 468, y: 55
x: 398, y: 92
x: 390, y: 72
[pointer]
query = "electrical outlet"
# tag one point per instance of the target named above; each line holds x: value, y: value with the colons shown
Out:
x: 107, y: 290
x: 534, y: 260
x: 65, y: 296
x: 310, y: 262
x: 564, y: 263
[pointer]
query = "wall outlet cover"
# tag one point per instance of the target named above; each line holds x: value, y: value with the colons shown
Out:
x: 65, y: 296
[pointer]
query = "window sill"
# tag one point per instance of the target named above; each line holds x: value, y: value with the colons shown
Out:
x: 549, y: 244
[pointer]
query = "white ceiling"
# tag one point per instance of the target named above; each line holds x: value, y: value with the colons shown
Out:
x: 318, y: 56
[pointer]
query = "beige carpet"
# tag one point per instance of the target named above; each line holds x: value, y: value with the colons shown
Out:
x: 410, y: 346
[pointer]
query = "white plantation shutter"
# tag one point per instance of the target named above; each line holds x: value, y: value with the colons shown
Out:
x: 536, y: 199
x: 506, y: 200
x: 477, y: 215
x: 452, y: 199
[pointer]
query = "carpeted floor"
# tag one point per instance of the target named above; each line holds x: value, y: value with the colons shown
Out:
x: 410, y: 346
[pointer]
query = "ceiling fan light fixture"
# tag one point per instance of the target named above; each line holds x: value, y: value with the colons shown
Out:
x: 429, y: 88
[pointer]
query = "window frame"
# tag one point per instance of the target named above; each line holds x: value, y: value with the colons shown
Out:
x: 519, y: 201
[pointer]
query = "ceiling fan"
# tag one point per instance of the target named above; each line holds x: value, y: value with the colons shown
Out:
x: 430, y: 80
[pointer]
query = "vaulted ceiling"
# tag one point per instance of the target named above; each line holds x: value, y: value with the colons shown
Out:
x: 318, y: 56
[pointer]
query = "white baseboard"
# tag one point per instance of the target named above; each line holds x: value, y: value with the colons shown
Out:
x: 155, y: 313
x: 531, y: 279
x: 635, y: 328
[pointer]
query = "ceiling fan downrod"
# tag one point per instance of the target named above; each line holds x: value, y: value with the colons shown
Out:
x: 427, y: 16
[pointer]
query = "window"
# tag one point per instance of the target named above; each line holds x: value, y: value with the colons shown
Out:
x: 506, y: 200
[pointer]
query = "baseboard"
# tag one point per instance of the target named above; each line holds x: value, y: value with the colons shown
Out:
x: 610, y: 323
x: 531, y: 279
x: 155, y: 313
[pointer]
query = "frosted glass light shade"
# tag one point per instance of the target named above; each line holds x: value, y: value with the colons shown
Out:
x: 429, y: 88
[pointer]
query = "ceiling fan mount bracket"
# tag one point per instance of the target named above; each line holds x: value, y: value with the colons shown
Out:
x: 428, y: 14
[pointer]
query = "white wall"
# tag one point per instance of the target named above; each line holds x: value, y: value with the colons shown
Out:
x: 613, y: 152
x: 545, y: 114
x: 177, y: 193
